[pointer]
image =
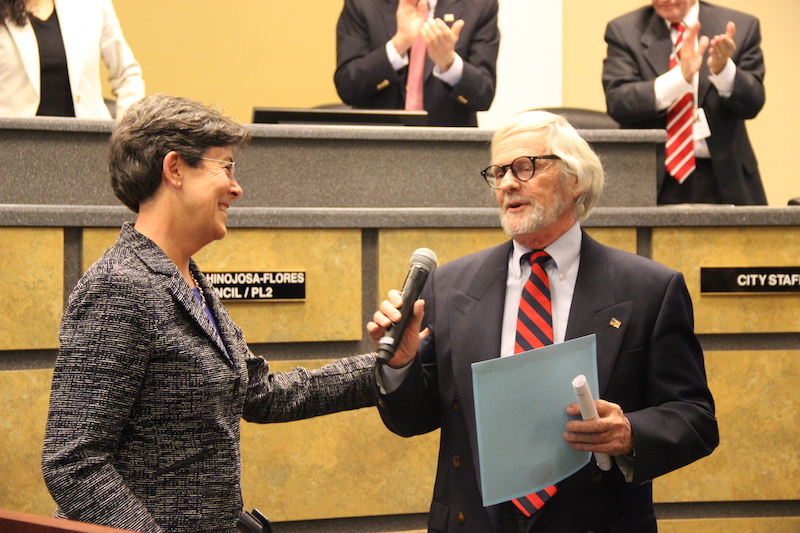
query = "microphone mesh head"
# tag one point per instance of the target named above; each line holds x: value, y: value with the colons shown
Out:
x: 425, y: 258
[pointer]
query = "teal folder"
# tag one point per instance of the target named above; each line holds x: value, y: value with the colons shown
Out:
x: 520, y: 411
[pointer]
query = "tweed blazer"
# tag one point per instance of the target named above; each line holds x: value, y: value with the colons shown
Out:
x: 146, y: 401
x: 639, y: 47
x: 650, y: 363
x: 365, y: 78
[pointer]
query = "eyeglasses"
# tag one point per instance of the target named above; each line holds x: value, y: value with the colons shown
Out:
x: 229, y: 167
x: 523, y: 168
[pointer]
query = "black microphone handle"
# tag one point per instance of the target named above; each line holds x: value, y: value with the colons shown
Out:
x: 412, y: 288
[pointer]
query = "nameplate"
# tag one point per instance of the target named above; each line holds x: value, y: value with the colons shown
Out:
x: 259, y: 286
x: 750, y: 280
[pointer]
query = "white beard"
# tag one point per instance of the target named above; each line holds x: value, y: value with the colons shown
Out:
x: 537, y: 218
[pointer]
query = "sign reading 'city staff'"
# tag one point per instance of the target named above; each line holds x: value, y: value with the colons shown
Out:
x: 259, y: 286
x: 750, y: 280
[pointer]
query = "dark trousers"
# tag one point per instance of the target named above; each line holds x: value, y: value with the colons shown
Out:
x: 700, y: 187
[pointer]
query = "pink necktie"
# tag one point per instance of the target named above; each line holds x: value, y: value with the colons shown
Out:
x: 534, y: 330
x: 416, y: 73
x: 680, y: 160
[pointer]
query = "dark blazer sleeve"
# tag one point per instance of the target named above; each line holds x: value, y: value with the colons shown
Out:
x: 478, y: 45
x: 363, y: 71
x: 413, y: 408
x: 630, y: 70
x: 676, y: 424
x: 748, y: 95
x: 285, y: 396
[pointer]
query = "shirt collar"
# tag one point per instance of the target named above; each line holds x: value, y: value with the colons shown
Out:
x: 564, y: 251
x: 691, y: 17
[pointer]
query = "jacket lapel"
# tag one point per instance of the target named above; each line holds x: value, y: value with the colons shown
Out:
x: 595, y: 309
x: 155, y: 259
x: 180, y: 289
x: 710, y: 25
x: 657, y: 45
x: 389, y: 15
x: 476, y: 319
x: 71, y: 20
x: 25, y: 40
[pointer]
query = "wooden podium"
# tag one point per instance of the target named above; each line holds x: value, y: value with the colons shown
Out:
x: 15, y: 522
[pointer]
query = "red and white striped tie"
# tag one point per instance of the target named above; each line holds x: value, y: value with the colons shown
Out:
x: 680, y: 160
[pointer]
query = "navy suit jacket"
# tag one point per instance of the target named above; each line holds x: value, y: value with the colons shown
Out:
x: 639, y: 47
x: 365, y: 78
x: 652, y: 366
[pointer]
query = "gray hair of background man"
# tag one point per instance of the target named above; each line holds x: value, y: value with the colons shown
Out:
x: 577, y: 157
x: 155, y: 126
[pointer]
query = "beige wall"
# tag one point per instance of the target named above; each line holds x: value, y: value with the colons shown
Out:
x: 255, y: 53
x: 236, y: 54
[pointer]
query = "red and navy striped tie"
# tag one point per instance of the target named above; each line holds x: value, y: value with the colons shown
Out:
x: 534, y: 330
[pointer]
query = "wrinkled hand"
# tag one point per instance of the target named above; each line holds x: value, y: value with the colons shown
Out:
x: 411, y: 15
x: 440, y: 41
x: 721, y: 48
x: 609, y: 433
x: 388, y: 313
x: 691, y: 53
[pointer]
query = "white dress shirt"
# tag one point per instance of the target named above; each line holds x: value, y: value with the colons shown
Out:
x: 562, y: 271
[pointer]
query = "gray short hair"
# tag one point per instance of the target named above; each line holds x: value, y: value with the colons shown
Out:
x: 155, y: 126
x: 577, y: 157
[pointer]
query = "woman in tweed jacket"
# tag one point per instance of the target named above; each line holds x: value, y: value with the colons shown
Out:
x: 152, y: 376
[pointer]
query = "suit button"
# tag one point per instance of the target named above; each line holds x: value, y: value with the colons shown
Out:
x: 456, y: 461
x: 597, y: 476
x: 460, y: 519
x: 456, y: 404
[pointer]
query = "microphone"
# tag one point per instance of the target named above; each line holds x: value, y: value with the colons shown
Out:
x: 423, y: 262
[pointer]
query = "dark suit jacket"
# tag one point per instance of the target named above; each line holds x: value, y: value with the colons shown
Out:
x: 652, y: 366
x: 639, y: 46
x: 143, y: 428
x: 365, y: 78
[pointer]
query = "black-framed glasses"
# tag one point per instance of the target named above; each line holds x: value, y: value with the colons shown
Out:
x: 229, y: 167
x: 523, y: 168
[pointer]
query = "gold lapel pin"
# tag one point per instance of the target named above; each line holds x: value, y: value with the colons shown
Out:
x: 615, y: 323
x: 449, y: 17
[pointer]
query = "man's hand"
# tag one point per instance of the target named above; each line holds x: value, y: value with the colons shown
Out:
x: 440, y: 41
x: 721, y: 48
x: 609, y: 433
x: 411, y: 15
x: 387, y: 314
x: 691, y: 53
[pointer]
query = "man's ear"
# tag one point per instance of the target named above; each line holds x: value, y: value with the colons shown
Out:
x: 172, y: 169
x: 575, y: 189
